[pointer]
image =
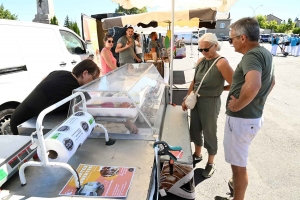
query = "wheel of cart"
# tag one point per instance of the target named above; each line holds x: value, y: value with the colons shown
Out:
x: 282, y: 49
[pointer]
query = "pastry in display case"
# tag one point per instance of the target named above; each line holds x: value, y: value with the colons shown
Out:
x: 128, y: 100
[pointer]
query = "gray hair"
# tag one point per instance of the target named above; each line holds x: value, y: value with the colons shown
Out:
x: 247, y: 26
x: 212, y: 38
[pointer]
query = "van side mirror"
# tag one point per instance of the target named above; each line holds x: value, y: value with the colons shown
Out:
x: 79, y: 50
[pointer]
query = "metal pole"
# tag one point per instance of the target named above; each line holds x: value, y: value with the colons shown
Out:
x: 172, y: 52
x: 254, y: 9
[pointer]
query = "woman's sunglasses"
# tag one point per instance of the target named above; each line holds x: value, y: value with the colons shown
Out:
x: 206, y: 50
x: 110, y: 41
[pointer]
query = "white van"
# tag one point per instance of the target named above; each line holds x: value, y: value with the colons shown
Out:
x: 28, y: 53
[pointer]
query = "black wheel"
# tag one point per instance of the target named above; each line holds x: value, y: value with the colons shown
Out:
x: 5, y: 116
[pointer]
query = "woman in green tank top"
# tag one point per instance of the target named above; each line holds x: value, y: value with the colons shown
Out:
x: 205, y: 113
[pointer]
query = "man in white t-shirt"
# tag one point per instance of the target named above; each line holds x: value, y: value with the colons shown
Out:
x: 138, y: 47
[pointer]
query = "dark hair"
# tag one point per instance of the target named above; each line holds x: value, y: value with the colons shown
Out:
x: 106, y: 37
x: 152, y: 34
x: 129, y: 27
x: 248, y: 26
x: 136, y: 36
x: 88, y: 65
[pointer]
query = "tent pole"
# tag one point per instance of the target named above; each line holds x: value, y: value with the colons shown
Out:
x: 172, y: 53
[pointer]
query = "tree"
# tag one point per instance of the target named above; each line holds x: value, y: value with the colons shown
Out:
x: 281, y: 28
x: 6, y: 14
x: 75, y: 27
x: 67, y: 22
x: 131, y: 11
x: 72, y: 25
x: 54, y: 20
x: 290, y: 25
x: 262, y: 21
x: 272, y: 25
x: 296, y: 31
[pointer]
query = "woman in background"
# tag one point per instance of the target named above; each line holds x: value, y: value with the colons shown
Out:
x: 108, y: 62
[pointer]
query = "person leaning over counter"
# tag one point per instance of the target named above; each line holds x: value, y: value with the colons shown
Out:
x: 108, y: 61
x: 125, y: 48
x: 55, y: 87
x: 206, y: 111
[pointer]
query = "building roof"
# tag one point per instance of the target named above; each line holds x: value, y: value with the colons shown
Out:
x: 223, y: 16
x: 271, y: 15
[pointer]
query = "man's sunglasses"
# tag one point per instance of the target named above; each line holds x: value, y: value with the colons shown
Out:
x: 93, y: 77
x: 231, y: 39
x: 206, y: 50
x: 110, y: 41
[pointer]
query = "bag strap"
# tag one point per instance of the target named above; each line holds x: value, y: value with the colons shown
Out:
x: 205, y: 75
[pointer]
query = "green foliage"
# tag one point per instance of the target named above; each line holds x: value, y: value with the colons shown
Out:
x: 262, y: 21
x: 72, y: 25
x: 67, y: 22
x: 131, y: 11
x: 290, y: 25
x: 75, y: 28
x: 54, y: 20
x: 6, y: 14
x: 272, y: 25
x: 282, y: 28
x: 296, y: 30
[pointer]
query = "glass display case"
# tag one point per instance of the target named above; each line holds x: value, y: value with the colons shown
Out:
x: 128, y: 100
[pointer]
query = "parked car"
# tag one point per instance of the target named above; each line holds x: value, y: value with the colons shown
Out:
x: 29, y: 52
x: 189, y: 38
x: 223, y: 38
x: 264, y: 37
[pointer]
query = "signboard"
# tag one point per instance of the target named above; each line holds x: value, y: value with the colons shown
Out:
x: 100, y: 181
x: 89, y: 28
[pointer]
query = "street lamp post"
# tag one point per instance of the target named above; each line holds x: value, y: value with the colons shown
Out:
x: 254, y: 9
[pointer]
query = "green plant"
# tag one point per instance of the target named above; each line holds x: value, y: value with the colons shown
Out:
x: 6, y: 14
x: 54, y: 20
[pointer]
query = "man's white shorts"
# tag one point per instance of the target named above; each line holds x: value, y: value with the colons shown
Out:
x: 238, y: 134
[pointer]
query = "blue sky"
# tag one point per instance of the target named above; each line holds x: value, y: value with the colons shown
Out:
x: 26, y: 9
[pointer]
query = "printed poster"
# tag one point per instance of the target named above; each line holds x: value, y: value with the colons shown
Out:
x: 91, y: 37
x: 100, y: 181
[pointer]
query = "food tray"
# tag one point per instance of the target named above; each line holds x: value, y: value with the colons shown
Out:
x: 130, y: 112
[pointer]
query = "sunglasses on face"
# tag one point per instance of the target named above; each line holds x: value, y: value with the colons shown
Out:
x: 206, y: 49
x: 230, y: 40
x: 110, y: 41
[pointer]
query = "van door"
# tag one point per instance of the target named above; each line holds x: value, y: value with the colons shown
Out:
x: 41, y: 50
x: 14, y: 75
x: 74, y: 49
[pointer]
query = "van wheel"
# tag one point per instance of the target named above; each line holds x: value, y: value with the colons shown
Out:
x: 5, y: 116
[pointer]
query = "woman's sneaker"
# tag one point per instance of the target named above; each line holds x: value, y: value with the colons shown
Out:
x: 209, y: 170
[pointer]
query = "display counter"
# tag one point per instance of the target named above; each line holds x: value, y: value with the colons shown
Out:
x: 131, y: 102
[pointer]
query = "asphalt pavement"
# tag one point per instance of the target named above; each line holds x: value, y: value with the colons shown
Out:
x: 274, y: 160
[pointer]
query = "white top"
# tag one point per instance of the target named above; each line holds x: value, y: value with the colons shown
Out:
x: 138, y: 50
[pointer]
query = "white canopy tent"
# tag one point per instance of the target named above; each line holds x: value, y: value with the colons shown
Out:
x: 218, y: 5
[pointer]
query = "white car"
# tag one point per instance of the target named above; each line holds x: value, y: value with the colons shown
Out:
x: 188, y: 38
